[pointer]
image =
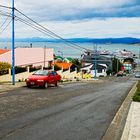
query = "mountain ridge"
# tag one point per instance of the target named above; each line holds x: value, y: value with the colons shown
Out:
x: 123, y: 40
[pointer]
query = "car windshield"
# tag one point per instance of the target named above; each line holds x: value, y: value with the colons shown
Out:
x: 41, y: 72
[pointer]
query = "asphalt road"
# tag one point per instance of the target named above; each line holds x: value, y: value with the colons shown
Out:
x: 76, y: 111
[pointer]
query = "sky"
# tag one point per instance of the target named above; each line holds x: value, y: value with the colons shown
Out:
x: 76, y: 18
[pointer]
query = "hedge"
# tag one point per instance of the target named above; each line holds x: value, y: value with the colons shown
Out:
x: 136, y: 96
x: 4, y: 68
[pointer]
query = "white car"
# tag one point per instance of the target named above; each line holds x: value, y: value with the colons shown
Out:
x: 137, y: 74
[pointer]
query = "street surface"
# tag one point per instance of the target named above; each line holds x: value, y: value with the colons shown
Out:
x: 75, y: 111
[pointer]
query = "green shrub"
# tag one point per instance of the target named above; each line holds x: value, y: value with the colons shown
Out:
x: 136, y: 96
x: 56, y: 68
x: 19, y: 70
x: 4, y: 67
x: 34, y: 69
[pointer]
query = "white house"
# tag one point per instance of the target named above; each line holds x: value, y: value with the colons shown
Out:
x: 101, y: 70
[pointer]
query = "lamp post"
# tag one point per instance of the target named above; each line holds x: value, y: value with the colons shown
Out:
x: 13, y: 43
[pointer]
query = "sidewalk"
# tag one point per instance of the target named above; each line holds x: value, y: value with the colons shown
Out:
x: 132, y: 126
x: 8, y: 86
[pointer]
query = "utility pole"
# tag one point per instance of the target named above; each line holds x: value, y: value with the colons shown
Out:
x: 117, y: 65
x: 13, y: 43
x: 139, y: 58
x: 44, y: 55
x: 95, y: 62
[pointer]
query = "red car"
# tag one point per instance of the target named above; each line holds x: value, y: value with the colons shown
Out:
x: 120, y: 74
x: 43, y: 78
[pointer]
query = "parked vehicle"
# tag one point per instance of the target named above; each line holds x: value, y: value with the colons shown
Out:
x: 43, y: 78
x: 119, y: 74
x: 137, y: 74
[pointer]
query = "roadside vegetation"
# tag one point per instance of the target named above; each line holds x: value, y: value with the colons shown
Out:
x: 4, y: 67
x: 136, y: 97
x: 116, y: 65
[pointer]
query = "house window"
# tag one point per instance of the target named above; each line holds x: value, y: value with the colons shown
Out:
x: 99, y: 70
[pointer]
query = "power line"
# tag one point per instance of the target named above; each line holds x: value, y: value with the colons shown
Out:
x: 42, y: 31
x: 33, y: 26
x: 23, y: 21
x: 7, y: 15
x: 6, y: 27
x: 50, y: 31
x: 41, y: 28
x: 4, y: 22
x: 5, y: 7
x: 3, y: 13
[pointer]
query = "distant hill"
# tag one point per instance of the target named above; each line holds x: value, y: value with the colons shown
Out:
x: 125, y: 40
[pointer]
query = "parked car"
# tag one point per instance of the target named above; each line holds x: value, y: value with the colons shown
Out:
x: 43, y: 78
x: 119, y: 74
x: 137, y: 74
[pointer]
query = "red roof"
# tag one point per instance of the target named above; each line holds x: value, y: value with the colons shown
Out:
x: 3, y: 51
x: 64, y: 65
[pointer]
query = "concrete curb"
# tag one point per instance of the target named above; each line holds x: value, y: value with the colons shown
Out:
x: 114, y: 131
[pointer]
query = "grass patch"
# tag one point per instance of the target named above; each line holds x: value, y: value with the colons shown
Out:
x: 136, y: 96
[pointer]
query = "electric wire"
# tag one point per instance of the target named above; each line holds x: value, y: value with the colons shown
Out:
x: 5, y: 7
x: 33, y: 26
x: 42, y: 31
x: 25, y: 22
x: 50, y: 30
x: 6, y: 27
x: 4, y: 22
x: 3, y: 13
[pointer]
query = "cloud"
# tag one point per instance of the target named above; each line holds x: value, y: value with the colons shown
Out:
x: 79, y: 18
x: 77, y: 9
x: 95, y: 28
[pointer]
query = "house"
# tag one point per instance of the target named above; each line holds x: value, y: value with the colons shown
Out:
x: 58, y: 59
x: 61, y: 59
x: 122, y: 54
x: 129, y: 64
x: 66, y: 66
x: 101, y: 70
x: 2, y: 51
x: 30, y: 57
x: 91, y: 56
x: 68, y: 59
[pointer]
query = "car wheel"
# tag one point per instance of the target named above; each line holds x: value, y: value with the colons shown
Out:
x: 56, y: 84
x: 46, y: 85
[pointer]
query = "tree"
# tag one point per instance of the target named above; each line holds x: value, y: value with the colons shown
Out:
x: 77, y: 63
x: 4, y: 67
x: 116, y: 65
x: 56, y: 68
